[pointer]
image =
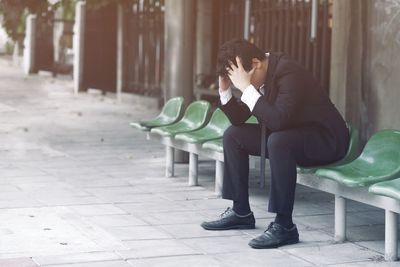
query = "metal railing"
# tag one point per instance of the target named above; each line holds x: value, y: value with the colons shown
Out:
x: 144, y: 50
x: 283, y: 26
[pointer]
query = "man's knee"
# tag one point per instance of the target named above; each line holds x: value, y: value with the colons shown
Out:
x: 232, y: 134
x: 277, y: 141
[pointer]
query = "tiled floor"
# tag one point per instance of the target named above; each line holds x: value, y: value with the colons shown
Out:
x: 79, y: 187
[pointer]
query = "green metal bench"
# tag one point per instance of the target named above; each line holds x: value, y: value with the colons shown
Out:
x: 352, y: 153
x: 379, y: 161
x: 170, y: 113
x: 195, y: 117
x: 193, y: 141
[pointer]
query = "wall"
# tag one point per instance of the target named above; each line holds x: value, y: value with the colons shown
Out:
x: 382, y: 64
x: 365, y: 67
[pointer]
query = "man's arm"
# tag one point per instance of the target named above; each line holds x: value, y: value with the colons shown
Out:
x: 277, y: 115
x: 236, y: 112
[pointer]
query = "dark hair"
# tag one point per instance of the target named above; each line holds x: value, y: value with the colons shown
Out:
x: 245, y: 50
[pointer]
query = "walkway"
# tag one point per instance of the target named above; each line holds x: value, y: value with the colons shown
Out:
x: 79, y: 188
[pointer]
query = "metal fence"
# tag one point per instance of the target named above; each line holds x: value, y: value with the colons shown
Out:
x: 144, y: 49
x: 284, y: 26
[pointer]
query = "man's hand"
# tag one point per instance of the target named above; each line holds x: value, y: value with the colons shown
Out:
x: 224, y: 83
x: 239, y: 76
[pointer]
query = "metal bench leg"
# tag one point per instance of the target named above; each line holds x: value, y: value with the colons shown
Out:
x: 340, y: 219
x: 390, y: 235
x: 219, y: 176
x: 169, y: 161
x: 193, y: 169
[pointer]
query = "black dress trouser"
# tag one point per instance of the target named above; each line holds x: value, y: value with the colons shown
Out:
x: 285, y: 150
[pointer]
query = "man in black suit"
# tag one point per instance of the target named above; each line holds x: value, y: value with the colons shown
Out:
x: 300, y: 126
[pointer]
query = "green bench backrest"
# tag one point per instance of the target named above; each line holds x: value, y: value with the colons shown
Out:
x: 381, y: 154
x: 219, y: 121
x: 173, y: 108
x: 197, y: 113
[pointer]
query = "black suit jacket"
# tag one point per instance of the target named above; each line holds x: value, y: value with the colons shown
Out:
x: 294, y: 99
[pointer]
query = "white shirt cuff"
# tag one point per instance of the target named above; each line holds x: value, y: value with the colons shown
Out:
x: 250, y: 96
x: 225, y: 95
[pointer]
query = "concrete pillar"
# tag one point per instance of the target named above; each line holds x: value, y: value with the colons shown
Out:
x: 29, y: 44
x: 247, y: 15
x: 204, y: 38
x: 347, y: 60
x: 179, y: 48
x: 179, y: 53
x: 120, y: 51
x: 78, y: 45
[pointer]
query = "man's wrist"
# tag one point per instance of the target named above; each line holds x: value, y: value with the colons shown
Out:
x: 225, y: 95
x: 250, y: 96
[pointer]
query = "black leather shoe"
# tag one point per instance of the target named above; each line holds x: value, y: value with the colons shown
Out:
x: 230, y: 220
x: 276, y: 236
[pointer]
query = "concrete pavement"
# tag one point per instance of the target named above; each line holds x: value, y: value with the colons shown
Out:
x: 79, y: 188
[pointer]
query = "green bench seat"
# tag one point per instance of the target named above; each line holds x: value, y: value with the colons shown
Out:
x: 170, y: 113
x: 389, y: 188
x: 213, y: 130
x: 195, y: 117
x: 215, y: 145
x: 379, y: 161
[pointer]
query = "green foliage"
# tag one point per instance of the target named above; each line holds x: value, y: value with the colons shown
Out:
x: 14, y: 14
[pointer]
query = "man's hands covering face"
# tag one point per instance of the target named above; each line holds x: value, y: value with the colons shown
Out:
x: 239, y: 76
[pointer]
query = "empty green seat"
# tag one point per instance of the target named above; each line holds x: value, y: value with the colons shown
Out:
x: 389, y: 188
x: 213, y: 130
x: 379, y: 161
x: 170, y: 113
x: 215, y: 145
x: 194, y: 118
x: 352, y: 153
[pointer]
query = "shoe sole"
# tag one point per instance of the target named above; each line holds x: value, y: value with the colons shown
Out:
x: 238, y: 227
x: 289, y: 242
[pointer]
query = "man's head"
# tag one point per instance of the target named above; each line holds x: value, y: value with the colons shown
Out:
x: 246, y: 51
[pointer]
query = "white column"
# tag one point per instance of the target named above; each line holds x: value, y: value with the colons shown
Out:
x: 29, y: 44
x: 340, y: 219
x: 219, y: 177
x: 391, y: 220
x: 193, y: 169
x: 78, y: 45
x: 120, y: 51
x: 169, y: 161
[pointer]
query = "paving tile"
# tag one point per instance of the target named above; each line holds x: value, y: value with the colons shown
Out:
x: 98, y: 264
x: 76, y: 258
x: 219, y: 244
x: 93, y: 210
x: 156, y: 248
x: 19, y: 262
x: 107, y: 221
x: 334, y: 254
x: 270, y: 257
x: 195, y: 230
x: 138, y: 232
x: 178, y: 261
